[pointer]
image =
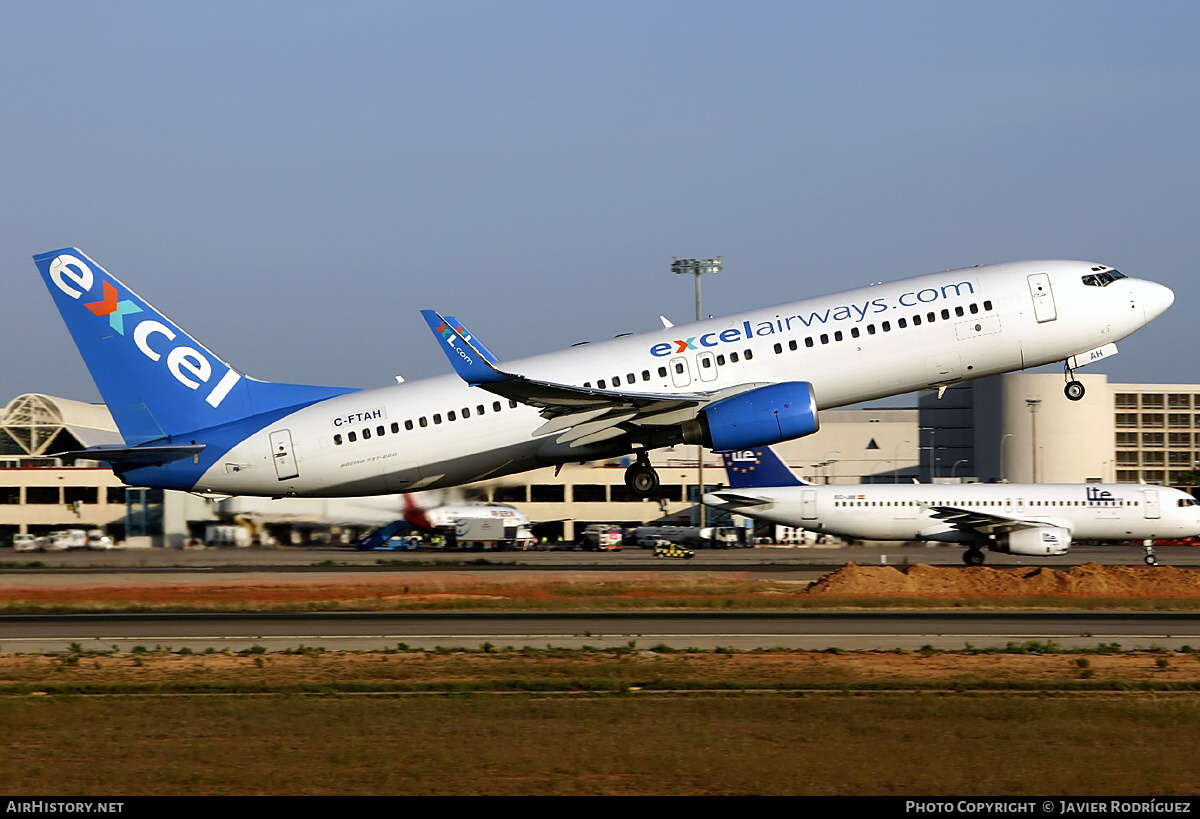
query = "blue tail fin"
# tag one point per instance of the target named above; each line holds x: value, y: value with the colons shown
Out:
x: 156, y: 379
x: 757, y: 467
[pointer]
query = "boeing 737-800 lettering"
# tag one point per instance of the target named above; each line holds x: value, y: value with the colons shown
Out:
x: 1035, y: 519
x: 190, y: 421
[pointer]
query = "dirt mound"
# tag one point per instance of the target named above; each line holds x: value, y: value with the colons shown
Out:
x: 1090, y: 579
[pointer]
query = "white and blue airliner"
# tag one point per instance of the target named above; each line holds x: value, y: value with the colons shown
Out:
x: 193, y: 422
x: 1030, y: 519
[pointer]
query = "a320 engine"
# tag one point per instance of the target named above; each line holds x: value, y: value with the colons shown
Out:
x: 1035, y: 540
x: 756, y: 418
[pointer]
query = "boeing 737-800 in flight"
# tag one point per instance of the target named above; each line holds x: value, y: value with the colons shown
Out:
x: 191, y: 421
x: 1035, y: 519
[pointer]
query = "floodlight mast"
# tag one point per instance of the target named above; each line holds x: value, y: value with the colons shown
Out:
x: 697, y: 267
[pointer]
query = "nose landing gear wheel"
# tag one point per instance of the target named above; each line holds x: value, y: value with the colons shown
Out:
x: 1150, y: 559
x: 973, y: 557
x: 1074, y: 390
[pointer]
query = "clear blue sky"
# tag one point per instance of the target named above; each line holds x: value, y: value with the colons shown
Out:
x: 292, y: 181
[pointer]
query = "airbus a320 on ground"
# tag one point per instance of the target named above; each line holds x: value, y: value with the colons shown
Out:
x: 1033, y: 519
x: 191, y: 421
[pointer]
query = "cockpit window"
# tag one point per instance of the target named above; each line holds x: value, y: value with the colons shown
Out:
x: 1102, y: 279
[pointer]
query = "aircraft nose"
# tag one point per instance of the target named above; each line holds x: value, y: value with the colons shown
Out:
x: 1155, y: 298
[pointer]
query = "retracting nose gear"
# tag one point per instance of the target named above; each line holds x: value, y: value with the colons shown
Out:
x: 1074, y: 389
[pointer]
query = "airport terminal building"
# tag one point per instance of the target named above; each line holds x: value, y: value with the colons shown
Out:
x: 1017, y: 428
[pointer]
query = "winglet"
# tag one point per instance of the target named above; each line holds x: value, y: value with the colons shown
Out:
x: 473, y: 366
x: 757, y: 467
x: 458, y: 327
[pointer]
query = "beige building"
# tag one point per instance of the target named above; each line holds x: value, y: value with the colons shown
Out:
x: 1018, y: 428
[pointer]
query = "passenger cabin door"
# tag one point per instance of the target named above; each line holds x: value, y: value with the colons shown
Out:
x: 1043, y: 298
x: 681, y: 373
x: 283, y: 455
x: 808, y: 504
x: 1150, y: 504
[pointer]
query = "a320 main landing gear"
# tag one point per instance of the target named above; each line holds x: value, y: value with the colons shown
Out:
x: 973, y: 556
x: 640, y: 477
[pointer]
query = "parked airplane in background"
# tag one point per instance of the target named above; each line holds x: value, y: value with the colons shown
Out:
x: 447, y: 519
x: 192, y: 422
x: 441, y: 516
x: 1035, y: 519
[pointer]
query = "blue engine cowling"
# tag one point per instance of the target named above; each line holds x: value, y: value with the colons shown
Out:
x: 760, y: 417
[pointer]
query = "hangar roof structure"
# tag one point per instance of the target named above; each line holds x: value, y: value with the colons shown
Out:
x: 41, y: 425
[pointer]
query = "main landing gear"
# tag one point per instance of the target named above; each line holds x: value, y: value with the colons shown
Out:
x: 1074, y: 389
x: 640, y: 477
x: 973, y: 556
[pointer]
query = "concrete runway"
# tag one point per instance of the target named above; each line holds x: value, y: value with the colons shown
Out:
x: 762, y: 558
x: 803, y: 630
x: 679, y: 630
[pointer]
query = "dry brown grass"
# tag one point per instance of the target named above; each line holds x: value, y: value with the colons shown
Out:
x: 604, y: 723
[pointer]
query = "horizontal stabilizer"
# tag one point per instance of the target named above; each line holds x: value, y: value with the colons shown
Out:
x: 134, y: 455
x: 734, y: 497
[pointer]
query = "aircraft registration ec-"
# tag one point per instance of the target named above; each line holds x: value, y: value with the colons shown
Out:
x: 193, y: 422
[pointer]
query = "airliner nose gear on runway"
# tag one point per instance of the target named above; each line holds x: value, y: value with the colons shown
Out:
x: 191, y: 421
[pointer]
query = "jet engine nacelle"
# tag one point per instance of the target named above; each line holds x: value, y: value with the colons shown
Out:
x: 1036, y: 541
x: 756, y: 418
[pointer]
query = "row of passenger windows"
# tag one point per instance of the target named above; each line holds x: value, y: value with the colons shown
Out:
x: 422, y: 421
x: 886, y: 326
x: 981, y: 504
x: 630, y: 378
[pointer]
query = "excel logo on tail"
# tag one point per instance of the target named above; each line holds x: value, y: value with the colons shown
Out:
x: 188, y: 365
x: 111, y: 306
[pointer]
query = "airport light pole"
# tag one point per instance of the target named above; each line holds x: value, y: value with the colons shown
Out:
x: 932, y: 451
x: 1033, y: 404
x: 896, y: 461
x: 1003, y: 441
x: 697, y: 267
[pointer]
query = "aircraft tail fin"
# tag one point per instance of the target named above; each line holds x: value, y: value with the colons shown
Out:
x: 157, y: 380
x: 757, y: 467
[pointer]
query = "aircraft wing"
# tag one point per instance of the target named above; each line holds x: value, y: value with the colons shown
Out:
x: 584, y: 415
x: 984, y: 521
